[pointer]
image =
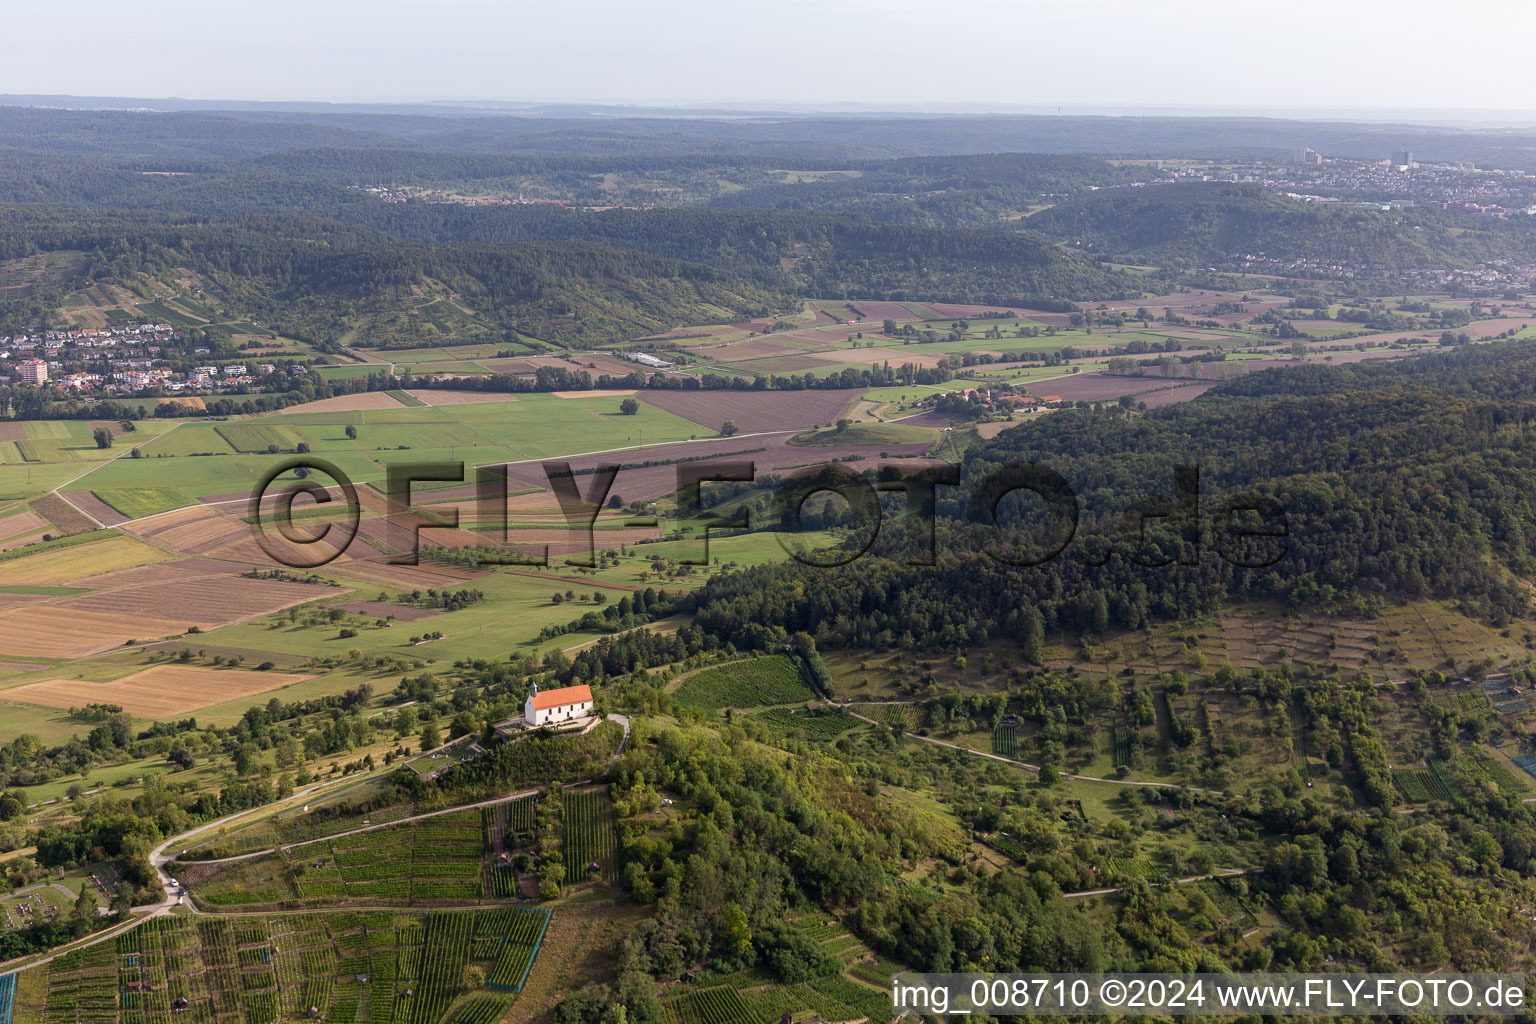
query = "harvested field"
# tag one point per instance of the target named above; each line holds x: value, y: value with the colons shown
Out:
x: 13, y: 430
x: 21, y: 540
x: 783, y: 364
x: 346, y: 403
x: 62, y: 514
x: 386, y: 610
x: 92, y: 505
x: 561, y: 541
x: 1099, y: 387
x: 926, y: 419
x: 58, y: 567
x: 459, y: 397
x: 43, y: 631
x: 430, y: 576
x: 755, y: 411
x: 1171, y: 396
x: 961, y: 311
x: 754, y: 348
x: 1236, y: 367
x: 991, y: 430
x: 687, y: 332
x: 599, y: 364
x: 212, y: 534
x: 17, y: 600
x: 904, y: 354
x: 1187, y: 300
x: 770, y: 454
x: 187, y: 401
x: 506, y: 366
x: 884, y: 311
x: 192, y: 531
x: 205, y: 601
x: 159, y: 692
x: 23, y: 523
x: 173, y: 571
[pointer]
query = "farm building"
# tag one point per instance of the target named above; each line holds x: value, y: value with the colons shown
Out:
x: 562, y: 705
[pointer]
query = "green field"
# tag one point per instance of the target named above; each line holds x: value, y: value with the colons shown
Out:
x: 200, y: 458
x: 135, y: 502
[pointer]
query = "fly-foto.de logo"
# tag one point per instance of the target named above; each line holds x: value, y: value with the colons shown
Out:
x: 306, y: 512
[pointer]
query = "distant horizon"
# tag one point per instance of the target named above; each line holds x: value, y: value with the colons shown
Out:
x: 1315, y: 55
x: 702, y: 108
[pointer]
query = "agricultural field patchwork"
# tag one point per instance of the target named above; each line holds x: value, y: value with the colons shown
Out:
x: 163, y: 691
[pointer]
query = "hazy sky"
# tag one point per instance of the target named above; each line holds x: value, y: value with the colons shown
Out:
x: 1203, y: 53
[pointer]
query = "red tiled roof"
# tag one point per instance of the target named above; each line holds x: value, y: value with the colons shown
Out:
x: 558, y: 698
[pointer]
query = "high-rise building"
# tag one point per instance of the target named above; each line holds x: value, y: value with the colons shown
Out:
x: 1307, y: 156
x: 32, y: 371
x: 1402, y: 157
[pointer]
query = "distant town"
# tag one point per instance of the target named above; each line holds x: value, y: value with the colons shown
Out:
x: 116, y: 359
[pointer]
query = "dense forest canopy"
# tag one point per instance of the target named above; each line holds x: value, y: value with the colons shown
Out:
x: 566, y: 276
x: 1214, y: 222
x: 1404, y: 479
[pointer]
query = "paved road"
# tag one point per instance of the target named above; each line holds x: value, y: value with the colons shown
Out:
x: 162, y: 860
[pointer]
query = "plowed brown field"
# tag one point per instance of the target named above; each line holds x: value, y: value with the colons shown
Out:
x: 159, y: 692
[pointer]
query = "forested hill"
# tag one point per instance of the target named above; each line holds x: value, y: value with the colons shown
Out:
x: 1396, y: 480
x: 574, y: 277
x: 1212, y: 223
x: 320, y: 278
x: 965, y: 191
x: 838, y: 255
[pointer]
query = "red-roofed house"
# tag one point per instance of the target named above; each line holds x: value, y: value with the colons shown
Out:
x: 560, y: 705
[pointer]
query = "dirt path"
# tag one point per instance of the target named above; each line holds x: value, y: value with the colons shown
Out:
x: 94, y: 466
x: 1192, y: 879
x: 162, y: 861
x: 1036, y: 768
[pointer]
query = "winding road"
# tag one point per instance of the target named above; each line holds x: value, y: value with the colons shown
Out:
x: 161, y: 857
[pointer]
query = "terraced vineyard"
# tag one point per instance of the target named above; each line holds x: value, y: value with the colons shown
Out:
x: 812, y: 726
x: 1008, y: 847
x: 589, y: 837
x: 481, y: 1009
x: 437, y: 860
x: 1422, y: 785
x: 522, y: 933
x: 1005, y: 740
x: 905, y: 717
x: 1233, y: 909
x: 720, y: 1005
x: 1481, y: 767
x: 378, y: 967
x: 1121, y: 745
x: 832, y: 998
x: 757, y: 682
